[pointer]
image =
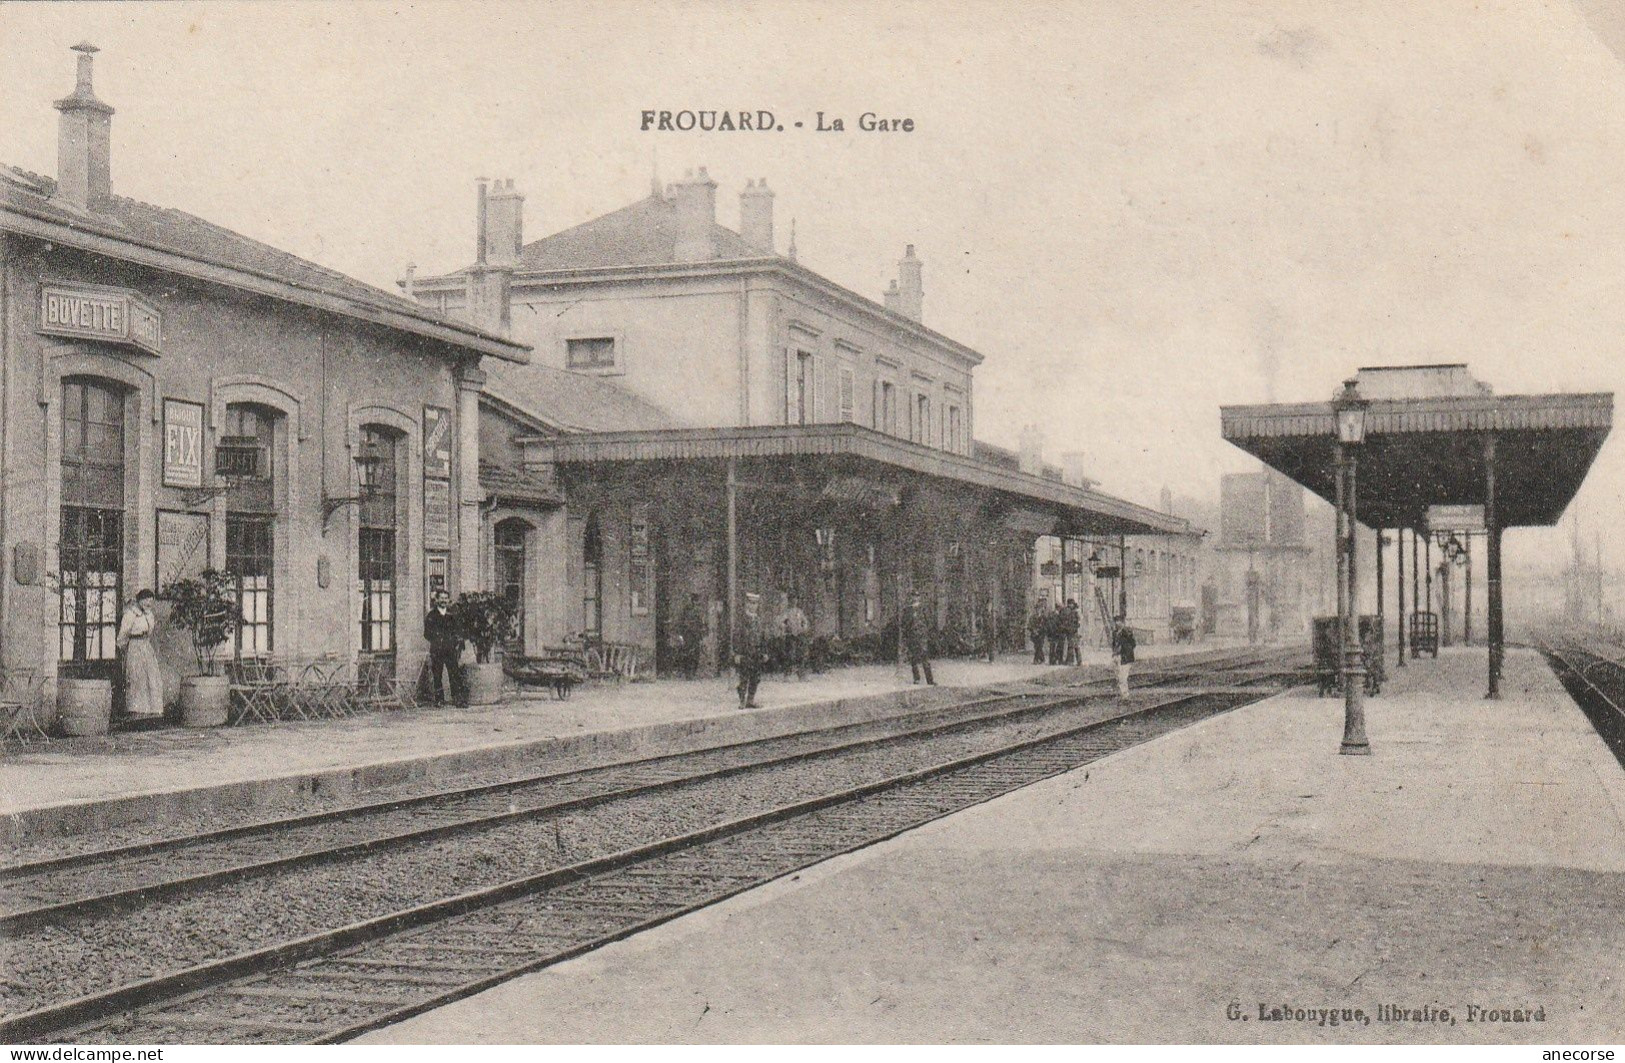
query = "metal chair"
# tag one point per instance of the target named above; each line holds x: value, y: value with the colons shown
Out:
x: 21, y: 691
x: 256, y: 685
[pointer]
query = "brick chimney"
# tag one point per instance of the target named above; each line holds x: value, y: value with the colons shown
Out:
x: 894, y: 299
x: 1072, y: 468
x: 910, y: 285
x: 488, y: 284
x: 504, y: 224
x: 756, y: 215
x: 1032, y: 450
x: 695, y: 197
x: 84, y: 142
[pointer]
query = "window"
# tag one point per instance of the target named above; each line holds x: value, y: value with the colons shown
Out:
x: 886, y: 411
x: 803, y: 389
x: 250, y: 533
x: 376, y: 547
x: 848, y: 396
x: 952, y: 429
x: 595, y: 353
x: 510, y: 569
x: 92, y: 522
x: 920, y: 426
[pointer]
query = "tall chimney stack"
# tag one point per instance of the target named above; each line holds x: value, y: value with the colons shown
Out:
x: 482, y: 195
x: 1072, y: 468
x: 504, y: 224
x: 1031, y: 453
x: 84, y: 141
x: 696, y: 202
x: 756, y: 216
x: 894, y: 299
x: 488, y: 282
x: 910, y: 285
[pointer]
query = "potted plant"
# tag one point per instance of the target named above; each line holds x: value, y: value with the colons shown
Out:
x: 206, y: 609
x: 488, y: 620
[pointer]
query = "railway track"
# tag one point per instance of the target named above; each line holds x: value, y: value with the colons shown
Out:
x: 1592, y: 670
x: 375, y: 965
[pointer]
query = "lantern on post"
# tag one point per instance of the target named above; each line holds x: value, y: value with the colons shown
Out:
x: 1349, y: 409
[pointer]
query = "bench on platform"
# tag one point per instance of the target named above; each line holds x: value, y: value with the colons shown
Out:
x: 560, y: 668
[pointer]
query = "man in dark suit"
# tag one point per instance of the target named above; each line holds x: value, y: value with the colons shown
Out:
x: 445, y: 637
x: 917, y: 640
x: 750, y: 651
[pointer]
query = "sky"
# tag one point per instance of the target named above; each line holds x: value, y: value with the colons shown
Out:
x: 1137, y: 211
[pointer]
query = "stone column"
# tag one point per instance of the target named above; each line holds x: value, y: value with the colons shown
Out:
x: 470, y: 535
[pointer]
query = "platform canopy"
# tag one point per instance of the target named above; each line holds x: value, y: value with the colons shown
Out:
x: 848, y: 458
x: 1425, y: 445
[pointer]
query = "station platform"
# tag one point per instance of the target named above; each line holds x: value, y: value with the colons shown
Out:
x: 157, y: 783
x: 1186, y: 890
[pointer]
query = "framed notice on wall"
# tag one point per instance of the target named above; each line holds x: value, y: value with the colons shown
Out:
x: 183, y: 547
x: 437, y: 442
x: 437, y: 514
x: 183, y: 443
x: 642, y: 570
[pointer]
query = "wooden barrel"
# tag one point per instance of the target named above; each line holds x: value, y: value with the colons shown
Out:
x: 84, y: 706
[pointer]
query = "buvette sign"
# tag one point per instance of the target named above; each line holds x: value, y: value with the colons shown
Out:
x: 115, y: 315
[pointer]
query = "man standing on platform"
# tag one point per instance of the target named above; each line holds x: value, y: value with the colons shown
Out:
x: 795, y: 638
x: 1123, y: 654
x: 445, y: 637
x: 691, y: 629
x: 750, y: 651
x: 916, y: 641
x: 1038, y: 628
x: 1074, y: 624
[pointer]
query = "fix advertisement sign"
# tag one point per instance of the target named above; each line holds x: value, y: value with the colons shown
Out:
x: 183, y: 443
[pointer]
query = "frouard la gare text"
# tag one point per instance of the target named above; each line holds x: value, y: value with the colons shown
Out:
x: 763, y: 121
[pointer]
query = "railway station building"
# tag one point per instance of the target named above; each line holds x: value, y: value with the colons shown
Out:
x: 176, y: 396
x: 705, y: 419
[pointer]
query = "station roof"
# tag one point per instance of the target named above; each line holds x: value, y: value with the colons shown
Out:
x: 1047, y: 506
x: 1422, y: 451
x: 182, y: 243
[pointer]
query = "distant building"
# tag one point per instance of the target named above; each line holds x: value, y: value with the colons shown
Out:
x: 1264, y: 585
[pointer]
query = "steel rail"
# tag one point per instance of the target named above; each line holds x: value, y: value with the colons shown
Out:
x: 91, y: 1009
x: 1225, y: 659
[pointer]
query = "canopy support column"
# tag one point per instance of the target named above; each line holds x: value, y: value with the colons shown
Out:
x: 1416, y: 589
x: 1492, y: 528
x: 1467, y: 602
x: 1399, y: 602
x: 1427, y: 570
x: 733, y: 556
x: 1381, y: 609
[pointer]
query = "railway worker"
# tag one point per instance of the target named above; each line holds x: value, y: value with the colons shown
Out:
x: 1056, y: 632
x: 916, y: 642
x: 691, y: 629
x: 444, y: 633
x: 1123, y: 654
x: 750, y: 651
x: 1074, y: 623
x: 1038, y: 628
x: 795, y: 638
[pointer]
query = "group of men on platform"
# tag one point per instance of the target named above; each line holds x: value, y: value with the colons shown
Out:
x: 1055, y: 630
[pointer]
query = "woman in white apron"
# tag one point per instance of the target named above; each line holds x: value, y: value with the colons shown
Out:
x: 143, y: 681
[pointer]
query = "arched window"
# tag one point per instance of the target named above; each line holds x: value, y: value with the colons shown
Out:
x: 592, y: 580
x: 92, y: 526
x: 251, y: 530
x: 510, y: 568
x: 376, y: 547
